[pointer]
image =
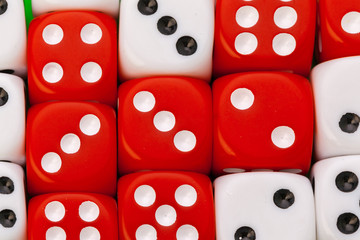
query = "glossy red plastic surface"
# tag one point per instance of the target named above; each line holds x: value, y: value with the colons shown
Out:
x: 243, y: 138
x: 143, y: 147
x: 71, y: 53
x: 333, y: 41
x: 91, y: 169
x: 72, y: 223
x: 226, y: 58
x: 200, y: 215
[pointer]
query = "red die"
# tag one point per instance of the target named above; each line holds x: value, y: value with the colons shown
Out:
x: 73, y: 56
x: 72, y: 216
x: 164, y: 123
x: 264, y: 35
x: 338, y: 29
x: 262, y: 120
x: 166, y: 206
x: 71, y: 146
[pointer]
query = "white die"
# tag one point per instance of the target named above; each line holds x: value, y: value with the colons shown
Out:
x: 110, y: 7
x: 13, y: 37
x: 336, y: 85
x: 337, y: 197
x: 245, y: 203
x: 144, y: 51
x: 12, y: 119
x: 12, y: 202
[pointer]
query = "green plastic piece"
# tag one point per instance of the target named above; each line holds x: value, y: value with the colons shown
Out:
x: 28, y: 12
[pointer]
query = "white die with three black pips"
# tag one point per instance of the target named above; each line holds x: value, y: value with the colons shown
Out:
x: 166, y: 37
x: 264, y: 205
x: 337, y: 197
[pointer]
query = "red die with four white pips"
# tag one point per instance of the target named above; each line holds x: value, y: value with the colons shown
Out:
x: 264, y: 35
x: 72, y: 216
x: 72, y: 57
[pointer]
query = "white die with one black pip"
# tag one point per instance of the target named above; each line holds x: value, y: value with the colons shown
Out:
x: 337, y: 110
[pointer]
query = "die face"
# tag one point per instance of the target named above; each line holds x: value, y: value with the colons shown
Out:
x: 186, y: 198
x: 254, y: 205
x: 337, y: 197
x: 12, y: 202
x: 338, y: 29
x: 72, y: 56
x: 334, y: 84
x: 110, y: 7
x: 161, y: 119
x: 262, y: 120
x: 13, y: 37
x: 64, y: 137
x: 168, y: 38
x: 72, y: 215
x: 241, y: 44
x: 12, y: 123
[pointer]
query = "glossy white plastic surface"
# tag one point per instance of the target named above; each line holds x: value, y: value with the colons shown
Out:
x: 13, y: 38
x: 14, y: 201
x: 145, y: 52
x: 336, y: 85
x: 246, y: 200
x: 110, y: 7
x: 330, y: 202
x: 12, y: 120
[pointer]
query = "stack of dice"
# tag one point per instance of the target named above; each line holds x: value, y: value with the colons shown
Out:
x: 335, y: 83
x: 71, y: 147
x: 135, y: 106
x: 12, y: 123
x: 164, y: 120
x: 263, y: 119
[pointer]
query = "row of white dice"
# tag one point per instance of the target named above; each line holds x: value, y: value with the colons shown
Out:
x: 268, y: 205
